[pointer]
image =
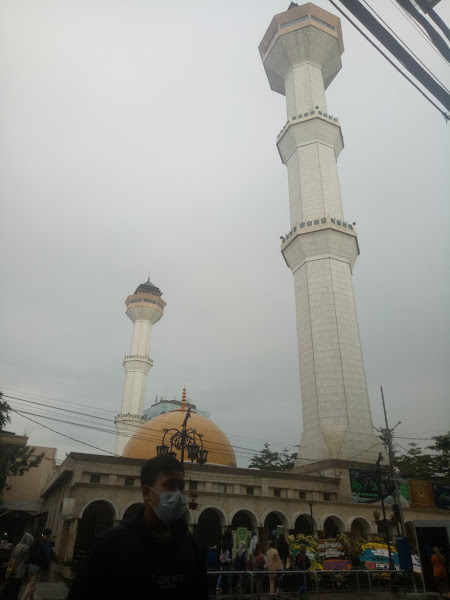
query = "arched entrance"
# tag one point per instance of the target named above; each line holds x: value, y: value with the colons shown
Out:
x: 332, y: 526
x: 132, y: 510
x: 360, y: 527
x: 303, y: 525
x: 209, y: 527
x: 270, y: 525
x: 97, y: 516
x: 244, y: 518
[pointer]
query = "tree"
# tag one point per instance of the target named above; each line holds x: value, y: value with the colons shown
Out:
x: 419, y: 465
x: 270, y: 460
x: 15, y: 460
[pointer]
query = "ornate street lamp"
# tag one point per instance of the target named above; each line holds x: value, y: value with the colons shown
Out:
x: 184, y: 439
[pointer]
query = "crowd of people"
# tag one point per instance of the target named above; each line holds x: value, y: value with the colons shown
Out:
x: 276, y: 560
x: 29, y: 559
x: 154, y: 551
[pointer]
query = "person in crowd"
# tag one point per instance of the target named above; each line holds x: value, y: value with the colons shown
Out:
x: 440, y: 573
x: 39, y: 561
x: 302, y: 565
x: 258, y: 563
x: 17, y: 568
x: 283, y: 551
x: 227, y: 539
x: 253, y: 542
x: 240, y: 563
x: 273, y: 564
x: 212, y: 558
x: 152, y: 555
x: 225, y: 565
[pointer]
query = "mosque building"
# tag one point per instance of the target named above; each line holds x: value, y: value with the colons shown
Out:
x: 301, y: 55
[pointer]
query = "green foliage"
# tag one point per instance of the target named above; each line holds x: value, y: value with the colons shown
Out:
x: 416, y: 464
x: 14, y: 460
x: 270, y: 460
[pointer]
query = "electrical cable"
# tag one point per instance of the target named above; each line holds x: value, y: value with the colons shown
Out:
x: 435, y: 36
x: 137, y: 427
x: 23, y: 413
x: 417, y: 27
x: 59, y: 400
x: 405, y: 45
x: 63, y: 434
x: 444, y: 114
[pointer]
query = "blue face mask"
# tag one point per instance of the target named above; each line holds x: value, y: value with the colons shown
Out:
x: 172, y: 506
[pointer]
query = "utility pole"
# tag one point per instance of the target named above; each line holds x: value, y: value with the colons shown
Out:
x: 397, y: 496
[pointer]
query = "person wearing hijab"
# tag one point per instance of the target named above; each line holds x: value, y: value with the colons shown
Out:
x: 440, y: 573
x: 240, y: 563
x: 17, y: 568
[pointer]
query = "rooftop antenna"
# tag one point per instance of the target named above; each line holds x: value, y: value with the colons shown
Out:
x: 148, y: 277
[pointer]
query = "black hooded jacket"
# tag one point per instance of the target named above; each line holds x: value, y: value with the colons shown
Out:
x: 126, y: 562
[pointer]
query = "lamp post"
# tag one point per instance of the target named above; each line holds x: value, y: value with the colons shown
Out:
x: 184, y: 439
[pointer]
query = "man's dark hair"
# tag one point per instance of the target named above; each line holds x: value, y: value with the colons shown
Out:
x: 46, y: 532
x: 156, y: 466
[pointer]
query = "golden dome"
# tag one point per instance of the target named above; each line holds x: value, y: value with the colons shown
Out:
x: 144, y: 442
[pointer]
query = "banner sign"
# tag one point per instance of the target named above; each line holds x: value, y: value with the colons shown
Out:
x: 441, y: 493
x: 365, y: 488
x: 416, y: 563
x: 376, y: 557
x: 332, y: 555
x: 241, y: 535
x: 421, y: 494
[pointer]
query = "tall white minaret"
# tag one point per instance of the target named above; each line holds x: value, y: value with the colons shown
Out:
x: 301, y: 52
x: 145, y: 308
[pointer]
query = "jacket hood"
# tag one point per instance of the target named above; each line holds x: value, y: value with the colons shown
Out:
x: 27, y: 539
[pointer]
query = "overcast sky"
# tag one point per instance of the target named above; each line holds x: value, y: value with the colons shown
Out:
x: 139, y: 136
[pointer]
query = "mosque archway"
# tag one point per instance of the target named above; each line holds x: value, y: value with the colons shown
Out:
x: 131, y: 510
x: 360, y: 527
x: 303, y: 525
x: 270, y: 523
x: 332, y: 526
x: 244, y: 518
x: 95, y: 518
x: 208, y: 530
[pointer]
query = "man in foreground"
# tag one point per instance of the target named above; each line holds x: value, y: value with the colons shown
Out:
x: 152, y: 555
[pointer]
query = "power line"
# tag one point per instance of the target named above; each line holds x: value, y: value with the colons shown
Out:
x: 59, y: 400
x: 63, y: 434
x: 417, y: 27
x: 404, y: 44
x: 444, y: 114
x: 148, y: 438
x: 137, y: 427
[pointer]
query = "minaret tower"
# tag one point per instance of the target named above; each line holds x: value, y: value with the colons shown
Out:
x: 301, y: 52
x: 145, y: 308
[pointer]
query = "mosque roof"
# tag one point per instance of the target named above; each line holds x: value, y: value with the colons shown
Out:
x: 148, y: 288
x: 144, y: 442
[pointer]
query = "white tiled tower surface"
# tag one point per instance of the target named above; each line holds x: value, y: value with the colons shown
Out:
x: 145, y: 308
x: 301, y: 53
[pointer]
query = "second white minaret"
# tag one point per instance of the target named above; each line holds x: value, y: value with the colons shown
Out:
x: 145, y: 308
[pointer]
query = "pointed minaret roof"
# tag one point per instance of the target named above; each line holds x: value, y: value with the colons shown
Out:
x: 148, y: 288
